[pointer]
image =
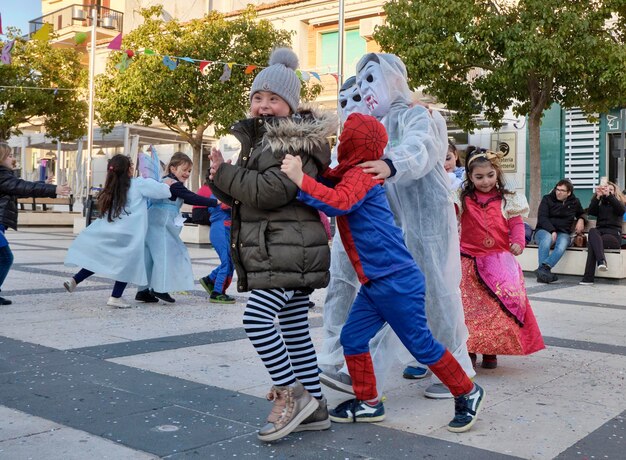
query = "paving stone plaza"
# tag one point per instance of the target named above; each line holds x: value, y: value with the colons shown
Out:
x: 79, y: 380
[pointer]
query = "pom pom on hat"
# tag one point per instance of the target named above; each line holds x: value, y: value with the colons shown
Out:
x: 280, y: 77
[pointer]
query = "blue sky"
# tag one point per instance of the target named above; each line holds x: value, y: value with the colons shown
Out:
x: 19, y: 12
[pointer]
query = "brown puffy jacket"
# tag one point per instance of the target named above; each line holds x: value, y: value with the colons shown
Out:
x: 276, y: 241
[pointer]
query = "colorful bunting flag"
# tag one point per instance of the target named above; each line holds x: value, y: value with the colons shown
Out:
x: 80, y: 38
x: 148, y: 52
x: 6, y: 52
x: 305, y: 76
x: 43, y: 34
x: 116, y: 43
x: 336, y: 77
x: 205, y: 67
x: 227, y: 72
x: 123, y: 64
x: 1, y: 33
x: 250, y: 69
x: 316, y: 75
x: 170, y: 63
x: 187, y: 59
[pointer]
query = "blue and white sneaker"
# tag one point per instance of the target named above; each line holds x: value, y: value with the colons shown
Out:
x: 414, y: 372
x: 466, y: 408
x: 354, y: 410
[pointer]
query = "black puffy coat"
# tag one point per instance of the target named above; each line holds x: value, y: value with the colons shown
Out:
x: 12, y: 188
x: 559, y: 216
x: 276, y: 240
x: 609, y: 211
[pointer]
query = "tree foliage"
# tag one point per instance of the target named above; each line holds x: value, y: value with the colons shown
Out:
x: 35, y: 66
x: 483, y: 57
x: 184, y: 100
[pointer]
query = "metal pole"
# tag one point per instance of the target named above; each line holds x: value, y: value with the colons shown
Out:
x: 92, y: 66
x: 340, y: 45
x: 621, y: 162
x: 340, y: 55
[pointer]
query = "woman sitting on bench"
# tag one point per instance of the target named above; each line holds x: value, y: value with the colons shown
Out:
x: 609, y: 205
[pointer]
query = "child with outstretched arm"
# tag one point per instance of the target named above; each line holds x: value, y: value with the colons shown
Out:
x: 393, y: 287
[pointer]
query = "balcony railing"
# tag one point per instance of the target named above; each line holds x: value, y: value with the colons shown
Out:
x: 79, y: 16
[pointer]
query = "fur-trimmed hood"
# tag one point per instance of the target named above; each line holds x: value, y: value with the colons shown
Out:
x: 307, y: 130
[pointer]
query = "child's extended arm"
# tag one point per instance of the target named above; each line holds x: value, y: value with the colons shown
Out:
x: 346, y: 196
x: 151, y: 188
x: 517, y: 235
x: 11, y: 185
x: 180, y: 191
x: 268, y: 189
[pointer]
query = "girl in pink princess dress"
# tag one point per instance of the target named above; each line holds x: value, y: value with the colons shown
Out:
x: 497, y: 311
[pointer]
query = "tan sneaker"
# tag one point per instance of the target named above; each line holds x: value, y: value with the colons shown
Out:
x: 317, y: 421
x: 292, y: 405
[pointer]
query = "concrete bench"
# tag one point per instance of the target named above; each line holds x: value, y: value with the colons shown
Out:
x: 196, y: 234
x: 45, y: 202
x: 190, y: 233
x: 574, y: 260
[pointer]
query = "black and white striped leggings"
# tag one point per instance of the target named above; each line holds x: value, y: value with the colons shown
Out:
x: 291, y: 355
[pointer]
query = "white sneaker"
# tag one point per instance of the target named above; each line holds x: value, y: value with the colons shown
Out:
x: 70, y: 285
x: 118, y: 302
x: 586, y: 283
x: 438, y: 391
x: 602, y: 266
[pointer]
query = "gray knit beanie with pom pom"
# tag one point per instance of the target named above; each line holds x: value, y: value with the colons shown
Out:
x: 280, y: 77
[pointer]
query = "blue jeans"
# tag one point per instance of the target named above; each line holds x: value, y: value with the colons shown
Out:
x: 544, y: 241
x: 6, y: 260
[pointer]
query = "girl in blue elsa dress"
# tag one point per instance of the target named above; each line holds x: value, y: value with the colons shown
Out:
x: 167, y: 260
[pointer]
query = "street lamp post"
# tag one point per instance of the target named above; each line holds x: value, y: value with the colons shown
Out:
x: 621, y: 160
x: 92, y: 66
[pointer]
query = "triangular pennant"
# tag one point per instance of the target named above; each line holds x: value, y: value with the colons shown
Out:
x: 299, y: 74
x: 80, y: 38
x: 187, y: 59
x: 250, y: 69
x: 1, y: 33
x: 6, y: 52
x: 43, y: 34
x: 227, y: 72
x: 336, y: 77
x: 169, y: 62
x: 305, y: 76
x: 123, y: 64
x: 116, y: 43
x: 149, y: 52
x: 316, y: 75
x: 205, y: 67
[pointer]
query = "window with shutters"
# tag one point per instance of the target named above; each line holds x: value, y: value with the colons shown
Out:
x: 582, y: 149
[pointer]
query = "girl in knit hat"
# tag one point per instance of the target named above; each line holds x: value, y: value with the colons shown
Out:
x: 278, y: 244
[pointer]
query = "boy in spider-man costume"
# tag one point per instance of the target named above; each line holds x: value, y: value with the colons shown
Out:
x: 393, y: 286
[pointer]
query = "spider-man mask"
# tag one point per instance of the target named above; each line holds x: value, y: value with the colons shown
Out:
x: 363, y: 139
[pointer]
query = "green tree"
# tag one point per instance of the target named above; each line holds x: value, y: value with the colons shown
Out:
x: 482, y: 57
x: 184, y: 100
x: 24, y: 99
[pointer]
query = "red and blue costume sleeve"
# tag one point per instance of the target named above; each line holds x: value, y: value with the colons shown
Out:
x: 372, y: 241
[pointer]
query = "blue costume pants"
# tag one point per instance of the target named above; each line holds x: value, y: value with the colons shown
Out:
x: 6, y: 260
x: 397, y: 299
x: 220, y: 239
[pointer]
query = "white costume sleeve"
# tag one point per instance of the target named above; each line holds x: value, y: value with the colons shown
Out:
x: 516, y: 205
x: 421, y: 146
x: 152, y: 189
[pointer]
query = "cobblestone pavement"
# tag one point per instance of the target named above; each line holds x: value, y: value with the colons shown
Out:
x: 80, y: 380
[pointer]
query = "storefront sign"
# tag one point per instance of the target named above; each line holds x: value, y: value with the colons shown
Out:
x: 507, y: 144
